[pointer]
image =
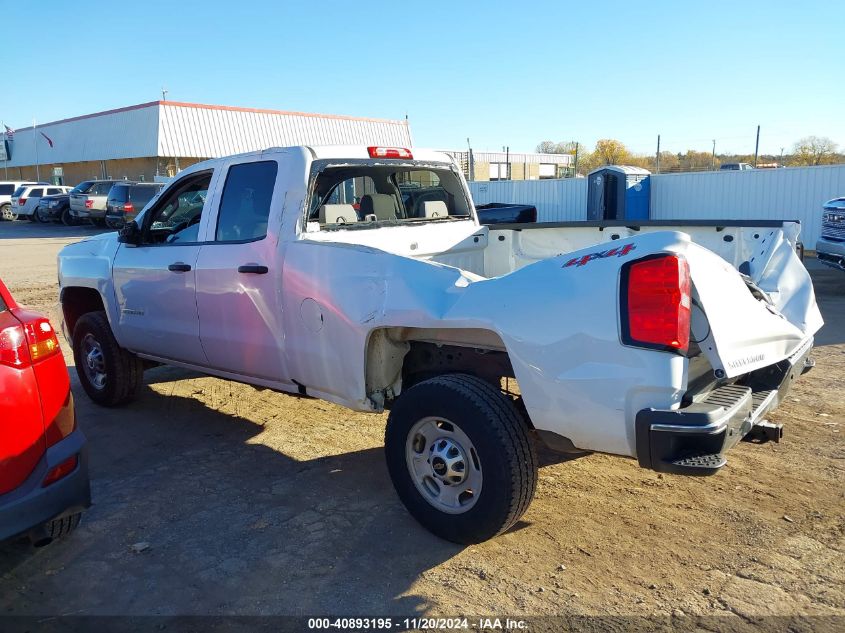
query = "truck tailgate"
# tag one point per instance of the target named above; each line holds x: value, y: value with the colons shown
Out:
x: 745, y: 323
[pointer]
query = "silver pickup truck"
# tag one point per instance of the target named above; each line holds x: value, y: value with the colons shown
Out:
x: 88, y: 200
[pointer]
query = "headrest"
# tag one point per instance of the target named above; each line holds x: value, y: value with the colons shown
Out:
x: 435, y: 209
x: 338, y: 214
x: 382, y: 205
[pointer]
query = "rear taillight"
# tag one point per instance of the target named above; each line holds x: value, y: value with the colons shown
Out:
x: 27, y: 343
x: 89, y: 204
x: 60, y: 471
x: 21, y: 202
x: 656, y: 303
x: 128, y: 207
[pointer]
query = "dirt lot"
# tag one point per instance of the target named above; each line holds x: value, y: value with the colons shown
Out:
x: 255, y: 502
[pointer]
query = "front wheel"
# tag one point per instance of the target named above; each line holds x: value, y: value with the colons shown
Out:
x: 67, y: 218
x: 42, y: 216
x: 460, y: 457
x: 6, y: 213
x: 109, y: 374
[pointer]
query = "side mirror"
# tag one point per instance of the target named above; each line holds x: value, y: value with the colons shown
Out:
x: 130, y: 233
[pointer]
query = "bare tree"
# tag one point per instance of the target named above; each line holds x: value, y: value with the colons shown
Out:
x: 814, y: 150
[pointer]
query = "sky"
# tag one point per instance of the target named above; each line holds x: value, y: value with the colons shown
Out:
x: 499, y: 73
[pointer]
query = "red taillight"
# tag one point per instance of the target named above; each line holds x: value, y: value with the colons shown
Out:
x: 27, y: 343
x: 389, y: 152
x: 128, y: 207
x: 656, y: 303
x: 89, y: 204
x: 21, y: 202
x: 60, y: 471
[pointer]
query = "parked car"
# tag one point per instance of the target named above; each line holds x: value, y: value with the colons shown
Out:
x: 26, y: 198
x: 43, y: 456
x: 88, y: 200
x: 735, y: 167
x: 830, y: 248
x: 126, y: 199
x: 632, y: 338
x: 7, y: 190
x: 54, y: 208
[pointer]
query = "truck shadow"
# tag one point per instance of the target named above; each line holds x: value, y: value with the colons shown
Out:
x: 226, y: 523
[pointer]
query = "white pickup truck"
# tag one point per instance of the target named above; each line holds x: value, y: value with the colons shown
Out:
x: 319, y: 271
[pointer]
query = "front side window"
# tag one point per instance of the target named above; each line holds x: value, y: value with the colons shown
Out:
x: 176, y: 217
x: 245, y: 204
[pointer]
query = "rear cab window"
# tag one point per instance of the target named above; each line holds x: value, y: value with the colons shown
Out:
x: 366, y: 195
x: 82, y: 187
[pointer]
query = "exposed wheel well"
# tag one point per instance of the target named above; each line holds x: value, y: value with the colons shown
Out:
x: 398, y: 358
x: 78, y: 301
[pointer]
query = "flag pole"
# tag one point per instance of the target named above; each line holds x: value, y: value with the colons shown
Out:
x: 5, y: 151
x: 35, y: 140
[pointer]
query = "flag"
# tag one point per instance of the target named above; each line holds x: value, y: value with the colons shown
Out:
x: 9, y: 132
x: 49, y: 140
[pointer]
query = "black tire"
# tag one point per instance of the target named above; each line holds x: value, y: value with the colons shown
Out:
x: 5, y: 209
x: 124, y: 371
x: 499, y: 435
x: 33, y: 217
x: 39, y: 217
x: 67, y: 218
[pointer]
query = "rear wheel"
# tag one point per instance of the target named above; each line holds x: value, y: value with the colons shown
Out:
x: 460, y: 458
x: 58, y: 528
x: 33, y: 217
x: 110, y: 375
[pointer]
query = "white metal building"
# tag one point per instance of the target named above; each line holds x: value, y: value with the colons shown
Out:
x: 160, y: 137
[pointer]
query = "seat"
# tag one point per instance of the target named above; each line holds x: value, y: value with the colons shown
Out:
x: 434, y: 209
x: 382, y: 205
x: 338, y: 214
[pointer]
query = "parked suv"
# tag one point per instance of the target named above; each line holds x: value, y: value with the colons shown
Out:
x: 7, y: 190
x: 735, y: 167
x: 25, y: 199
x: 126, y: 199
x: 830, y: 249
x: 88, y: 200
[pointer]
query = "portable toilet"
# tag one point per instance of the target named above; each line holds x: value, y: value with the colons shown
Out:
x: 618, y: 192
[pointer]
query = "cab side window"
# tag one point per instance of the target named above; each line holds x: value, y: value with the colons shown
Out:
x: 176, y: 217
x: 245, y: 204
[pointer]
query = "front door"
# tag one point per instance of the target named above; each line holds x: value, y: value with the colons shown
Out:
x: 239, y: 274
x: 155, y: 281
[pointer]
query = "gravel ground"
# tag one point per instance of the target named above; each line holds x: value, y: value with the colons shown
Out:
x: 212, y: 497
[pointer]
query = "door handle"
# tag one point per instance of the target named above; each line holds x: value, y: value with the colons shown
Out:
x: 179, y: 267
x: 254, y: 269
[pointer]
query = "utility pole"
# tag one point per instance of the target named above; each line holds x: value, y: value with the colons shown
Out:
x: 713, y: 159
x: 575, y: 167
x: 508, y: 162
x: 781, y: 157
x: 470, y: 161
x: 757, y: 147
x: 164, y: 95
x: 657, y: 159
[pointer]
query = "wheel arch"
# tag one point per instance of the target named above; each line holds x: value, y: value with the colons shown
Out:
x: 79, y: 300
x: 396, y: 358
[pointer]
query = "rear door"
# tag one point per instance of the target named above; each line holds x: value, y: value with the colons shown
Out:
x: 239, y: 272
x: 155, y: 282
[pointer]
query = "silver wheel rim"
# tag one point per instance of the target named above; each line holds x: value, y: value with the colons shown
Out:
x: 8, y: 214
x: 93, y: 362
x: 444, y: 465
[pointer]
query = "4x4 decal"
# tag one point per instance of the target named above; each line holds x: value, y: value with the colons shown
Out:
x: 618, y: 252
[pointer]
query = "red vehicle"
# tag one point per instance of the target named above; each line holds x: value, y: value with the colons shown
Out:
x: 44, y: 483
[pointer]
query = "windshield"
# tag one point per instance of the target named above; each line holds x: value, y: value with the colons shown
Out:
x: 82, y: 187
x: 367, y: 195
